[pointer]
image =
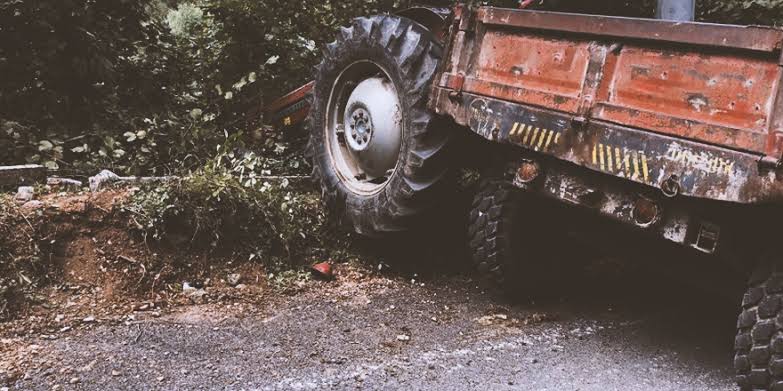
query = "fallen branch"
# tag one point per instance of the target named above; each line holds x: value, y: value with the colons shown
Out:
x: 107, y: 177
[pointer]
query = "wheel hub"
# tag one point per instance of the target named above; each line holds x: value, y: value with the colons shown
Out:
x: 373, y: 128
x: 359, y: 130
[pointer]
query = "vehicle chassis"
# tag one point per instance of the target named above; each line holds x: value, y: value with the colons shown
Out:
x: 691, y: 175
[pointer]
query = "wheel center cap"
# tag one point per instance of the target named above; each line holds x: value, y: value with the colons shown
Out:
x: 359, y: 129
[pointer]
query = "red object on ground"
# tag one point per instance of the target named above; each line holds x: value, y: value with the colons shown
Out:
x: 323, y: 270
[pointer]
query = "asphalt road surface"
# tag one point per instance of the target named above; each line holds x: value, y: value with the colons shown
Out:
x: 376, y: 332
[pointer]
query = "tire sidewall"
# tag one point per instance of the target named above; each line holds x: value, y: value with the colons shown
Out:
x: 364, y: 45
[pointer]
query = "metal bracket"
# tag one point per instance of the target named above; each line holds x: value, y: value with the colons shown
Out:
x: 457, y: 83
x: 580, y: 123
x: 467, y: 20
x: 707, y: 238
x: 770, y: 163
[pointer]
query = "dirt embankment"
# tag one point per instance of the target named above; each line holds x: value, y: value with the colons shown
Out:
x: 70, y: 259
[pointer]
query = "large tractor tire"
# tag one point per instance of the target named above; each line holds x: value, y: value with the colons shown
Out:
x: 511, y: 241
x: 758, y: 347
x: 379, y: 157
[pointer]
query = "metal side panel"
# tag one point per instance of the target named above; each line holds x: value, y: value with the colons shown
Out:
x: 713, y: 84
x: 721, y: 99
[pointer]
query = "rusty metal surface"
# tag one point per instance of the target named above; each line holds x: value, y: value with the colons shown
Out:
x: 567, y: 184
x: 765, y: 39
x: 697, y: 169
x: 719, y: 97
x: 722, y: 99
x: 701, y: 115
x: 290, y: 109
x: 548, y: 72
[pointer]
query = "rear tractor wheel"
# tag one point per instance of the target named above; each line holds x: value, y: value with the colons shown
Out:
x: 377, y: 152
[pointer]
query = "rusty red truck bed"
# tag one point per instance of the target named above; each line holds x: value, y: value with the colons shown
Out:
x: 692, y: 107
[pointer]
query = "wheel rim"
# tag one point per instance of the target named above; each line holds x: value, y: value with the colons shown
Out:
x: 364, y: 127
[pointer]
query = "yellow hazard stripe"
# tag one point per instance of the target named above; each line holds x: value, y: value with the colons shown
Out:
x: 541, y: 140
x: 533, y: 139
x: 513, y: 133
x: 528, y: 131
x: 548, y: 140
x: 635, y: 165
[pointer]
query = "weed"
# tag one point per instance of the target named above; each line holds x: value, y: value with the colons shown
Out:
x: 232, y: 206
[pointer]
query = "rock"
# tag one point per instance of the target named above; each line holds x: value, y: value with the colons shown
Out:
x: 107, y: 177
x: 488, y: 320
x: 34, y: 204
x: 403, y: 337
x: 234, y: 279
x: 241, y: 286
x: 57, y: 387
x: 198, y: 296
x: 115, y: 373
x: 323, y: 270
x: 89, y: 319
x: 65, y: 184
x: 74, y: 380
x: 25, y: 194
x: 104, y: 177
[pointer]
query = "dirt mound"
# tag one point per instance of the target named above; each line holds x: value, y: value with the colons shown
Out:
x: 69, y: 259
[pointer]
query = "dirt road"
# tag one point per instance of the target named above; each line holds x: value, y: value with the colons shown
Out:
x: 371, y: 331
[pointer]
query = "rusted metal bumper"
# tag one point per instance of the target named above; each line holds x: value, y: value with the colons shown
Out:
x: 649, y: 212
x: 676, y: 167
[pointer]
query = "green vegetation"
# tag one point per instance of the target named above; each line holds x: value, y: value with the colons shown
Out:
x: 231, y: 206
x: 148, y: 86
x: 151, y: 86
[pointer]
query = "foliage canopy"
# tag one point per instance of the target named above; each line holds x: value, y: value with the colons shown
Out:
x: 153, y: 86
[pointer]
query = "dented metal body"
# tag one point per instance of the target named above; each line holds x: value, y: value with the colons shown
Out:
x: 692, y: 109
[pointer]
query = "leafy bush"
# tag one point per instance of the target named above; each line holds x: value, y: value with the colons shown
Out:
x: 151, y: 86
x: 744, y: 12
x: 148, y: 86
x: 233, y: 205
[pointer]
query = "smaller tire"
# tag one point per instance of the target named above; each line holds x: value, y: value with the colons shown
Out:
x: 508, y: 237
x: 758, y: 346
